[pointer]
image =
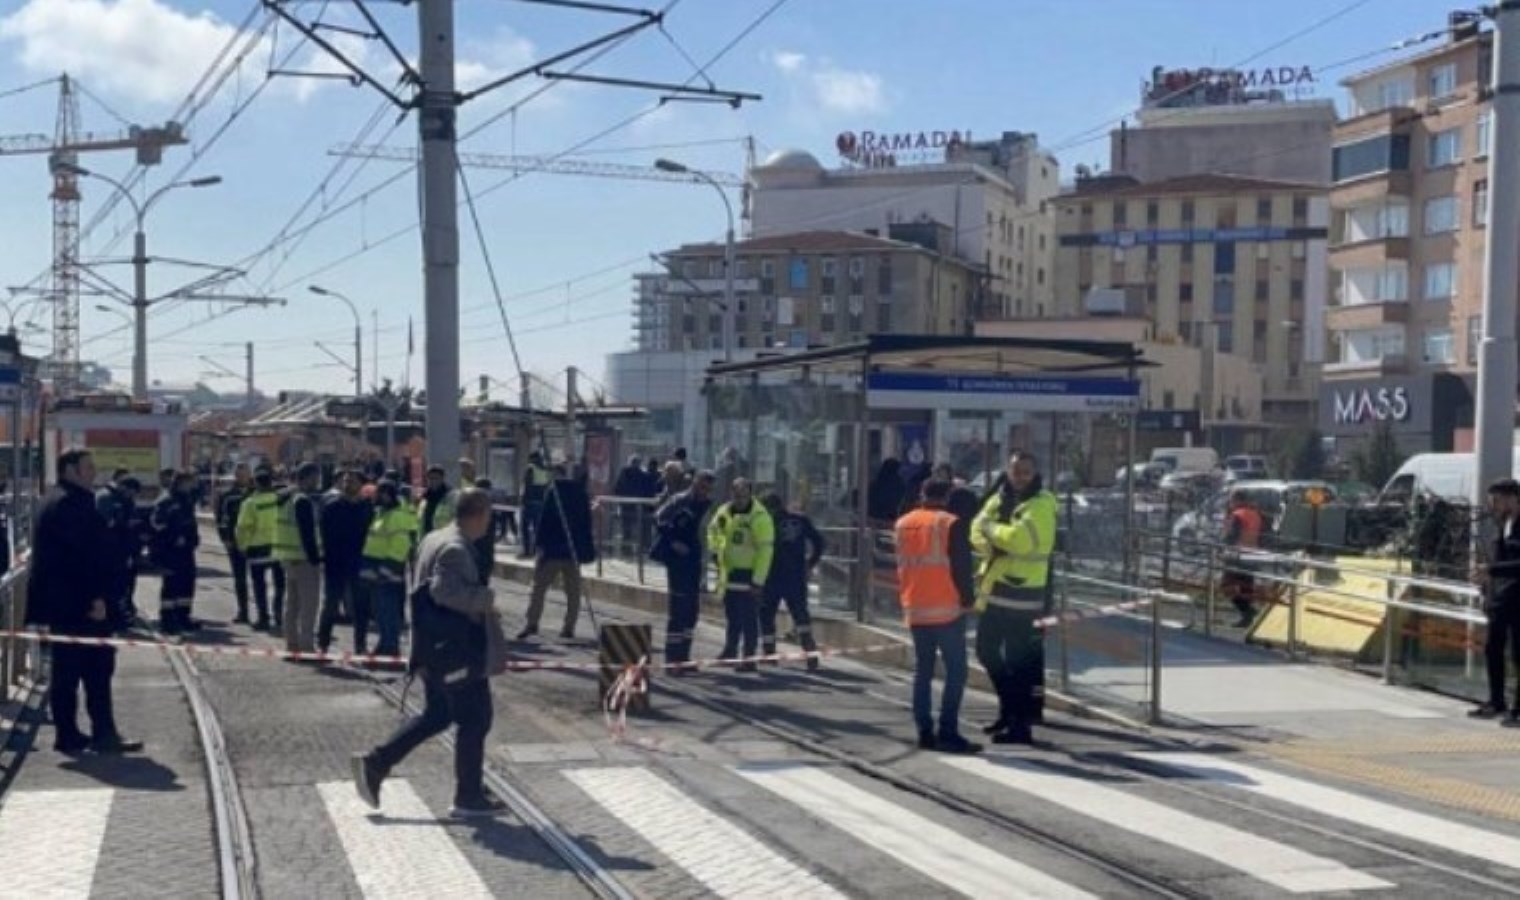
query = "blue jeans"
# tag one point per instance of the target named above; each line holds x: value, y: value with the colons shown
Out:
x: 387, y: 597
x: 949, y: 642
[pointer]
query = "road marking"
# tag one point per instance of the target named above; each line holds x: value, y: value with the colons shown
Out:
x: 726, y: 859
x: 909, y: 838
x: 1386, y: 817
x: 401, y: 851
x: 1277, y: 864
x: 51, y: 841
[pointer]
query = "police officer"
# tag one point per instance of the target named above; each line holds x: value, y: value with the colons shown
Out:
x: 679, y: 547
x: 117, y: 504
x: 256, y: 523
x: 1014, y: 535
x: 799, y: 547
x: 742, y: 539
x: 227, y: 511
x: 436, y: 508
x: 535, y: 489
x: 298, y: 547
x: 381, y: 588
x: 175, y: 537
x: 1242, y: 532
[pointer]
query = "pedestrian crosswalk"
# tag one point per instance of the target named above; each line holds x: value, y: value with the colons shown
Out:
x: 766, y: 829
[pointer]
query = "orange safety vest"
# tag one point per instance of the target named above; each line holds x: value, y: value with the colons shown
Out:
x: 925, y: 587
x: 1250, y: 526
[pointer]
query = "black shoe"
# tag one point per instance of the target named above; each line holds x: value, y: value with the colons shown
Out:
x: 813, y: 663
x: 168, y: 626
x: 568, y: 633
x: 1016, y: 733
x: 954, y: 743
x: 261, y: 625
x: 527, y: 632
x: 115, y: 746
x: 72, y: 746
x: 996, y: 726
x: 926, y: 741
x: 240, y: 619
x: 1486, y: 711
x: 367, y: 779
x: 746, y: 667
x: 479, y: 808
x: 1512, y: 720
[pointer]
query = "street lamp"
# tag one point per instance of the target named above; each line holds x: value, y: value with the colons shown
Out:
x: 12, y: 313
x: 358, y: 335
x: 140, y: 265
x: 675, y: 168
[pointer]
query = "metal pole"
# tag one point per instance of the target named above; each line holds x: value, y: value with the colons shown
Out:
x: 1497, y: 368
x: 139, y: 313
x: 1213, y: 591
x: 1293, y: 616
x: 440, y: 229
x: 570, y: 377
x: 374, y: 347
x: 1390, y: 625
x: 358, y: 358
x: 729, y: 311
x: 864, y: 553
x: 248, y: 398
x: 754, y: 428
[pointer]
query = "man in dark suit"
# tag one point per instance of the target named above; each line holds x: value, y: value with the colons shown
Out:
x: 1501, y: 580
x: 70, y: 593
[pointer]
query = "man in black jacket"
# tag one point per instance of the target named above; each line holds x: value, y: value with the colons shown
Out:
x: 226, y: 528
x: 176, y: 534
x: 68, y: 593
x: 117, y: 504
x: 345, y: 521
x: 681, y: 524
x: 799, y: 548
x: 1501, y: 580
x: 565, y: 543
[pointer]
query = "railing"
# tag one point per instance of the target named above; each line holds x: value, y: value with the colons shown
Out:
x: 18, y: 656
x: 624, y: 529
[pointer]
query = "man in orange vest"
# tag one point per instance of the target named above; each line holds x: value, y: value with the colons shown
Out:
x: 936, y: 585
x: 1242, y: 530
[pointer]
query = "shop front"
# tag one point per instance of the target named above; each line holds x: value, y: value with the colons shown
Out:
x: 1425, y: 413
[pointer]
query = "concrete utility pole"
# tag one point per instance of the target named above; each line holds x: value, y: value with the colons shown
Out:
x: 1497, y: 366
x: 440, y: 229
x: 570, y: 379
x: 248, y: 397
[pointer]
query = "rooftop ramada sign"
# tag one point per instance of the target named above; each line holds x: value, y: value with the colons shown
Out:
x: 996, y: 393
x: 883, y: 149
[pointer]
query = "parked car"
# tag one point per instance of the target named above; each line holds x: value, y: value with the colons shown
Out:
x: 1245, y: 467
x: 1270, y: 497
x: 1186, y: 459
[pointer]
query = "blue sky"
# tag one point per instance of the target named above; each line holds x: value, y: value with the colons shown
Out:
x: 564, y: 248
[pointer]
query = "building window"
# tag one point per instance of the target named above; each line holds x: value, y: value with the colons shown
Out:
x: 1440, y: 214
x: 883, y: 317
x: 1039, y: 276
x: 1187, y: 211
x: 1185, y: 292
x: 1445, y: 148
x: 1224, y: 215
x: 1151, y: 253
x: 1224, y: 258
x: 1438, y: 347
x: 1121, y: 214
x: 1440, y: 281
x: 1384, y: 153
x: 830, y: 267
x: 1263, y: 210
x: 797, y: 274
x: 826, y: 304
x: 1042, y: 241
x: 1261, y: 289
x: 884, y: 278
x: 715, y: 268
x: 1399, y: 92
x: 1226, y: 338
x: 1480, y: 202
x: 1085, y: 210
x: 1187, y: 253
x: 857, y: 267
x: 1442, y: 81
x: 715, y: 342
x: 1296, y: 289
x: 1152, y: 212
x: 1474, y: 338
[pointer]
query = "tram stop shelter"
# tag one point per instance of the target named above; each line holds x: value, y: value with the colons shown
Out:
x: 820, y: 426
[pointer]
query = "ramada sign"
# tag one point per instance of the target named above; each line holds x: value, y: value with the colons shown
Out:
x: 882, y: 148
x: 1359, y: 406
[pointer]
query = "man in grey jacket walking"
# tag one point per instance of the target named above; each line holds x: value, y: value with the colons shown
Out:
x: 457, y: 643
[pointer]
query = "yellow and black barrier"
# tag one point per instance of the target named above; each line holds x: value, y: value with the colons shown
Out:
x: 622, y: 646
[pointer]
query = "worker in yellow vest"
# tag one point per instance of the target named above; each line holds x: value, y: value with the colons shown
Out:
x: 1014, y: 535
x: 255, y: 538
x: 382, y: 573
x: 298, y: 547
x: 742, y: 538
x: 934, y: 578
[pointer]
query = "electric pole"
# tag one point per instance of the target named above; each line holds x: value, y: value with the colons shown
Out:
x: 440, y: 230
x: 1497, y: 368
x: 248, y: 399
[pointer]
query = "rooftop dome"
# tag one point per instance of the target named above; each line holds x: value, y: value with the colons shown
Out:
x: 796, y: 160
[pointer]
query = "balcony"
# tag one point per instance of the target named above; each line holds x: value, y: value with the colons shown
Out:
x: 1369, y: 253
x: 1371, y: 188
x: 1363, y: 316
x: 1394, y: 364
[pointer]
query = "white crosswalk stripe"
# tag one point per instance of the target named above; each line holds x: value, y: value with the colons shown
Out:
x: 1275, y: 863
x: 61, y: 830
x: 1386, y: 817
x: 907, y: 837
x: 402, y: 851
x: 725, y: 859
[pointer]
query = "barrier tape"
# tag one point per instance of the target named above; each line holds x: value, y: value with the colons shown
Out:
x: 633, y: 681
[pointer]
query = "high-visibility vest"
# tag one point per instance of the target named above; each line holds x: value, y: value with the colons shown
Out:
x: 925, y: 587
x: 443, y: 514
x: 1015, y: 554
x: 287, y: 533
x: 742, y: 542
x: 257, y: 519
x: 391, y: 535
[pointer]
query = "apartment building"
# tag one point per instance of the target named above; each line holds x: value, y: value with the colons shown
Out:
x: 1409, y: 201
x: 1224, y: 263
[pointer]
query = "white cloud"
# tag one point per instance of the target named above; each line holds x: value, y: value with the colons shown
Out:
x: 484, y: 61
x: 142, y: 49
x: 835, y: 89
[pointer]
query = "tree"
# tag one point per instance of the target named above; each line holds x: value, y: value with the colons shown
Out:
x: 1377, y: 460
x: 1299, y: 454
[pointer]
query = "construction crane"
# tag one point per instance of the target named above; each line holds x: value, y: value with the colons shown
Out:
x: 63, y: 151
x: 551, y: 165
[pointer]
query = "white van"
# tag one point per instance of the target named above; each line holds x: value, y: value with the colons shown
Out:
x: 1186, y: 459
x: 1446, y: 475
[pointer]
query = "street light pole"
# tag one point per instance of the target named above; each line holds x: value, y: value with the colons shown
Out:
x: 358, y: 335
x: 140, y: 267
x: 729, y: 308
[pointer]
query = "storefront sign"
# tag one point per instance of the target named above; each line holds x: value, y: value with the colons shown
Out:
x: 1360, y: 406
x: 912, y: 390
